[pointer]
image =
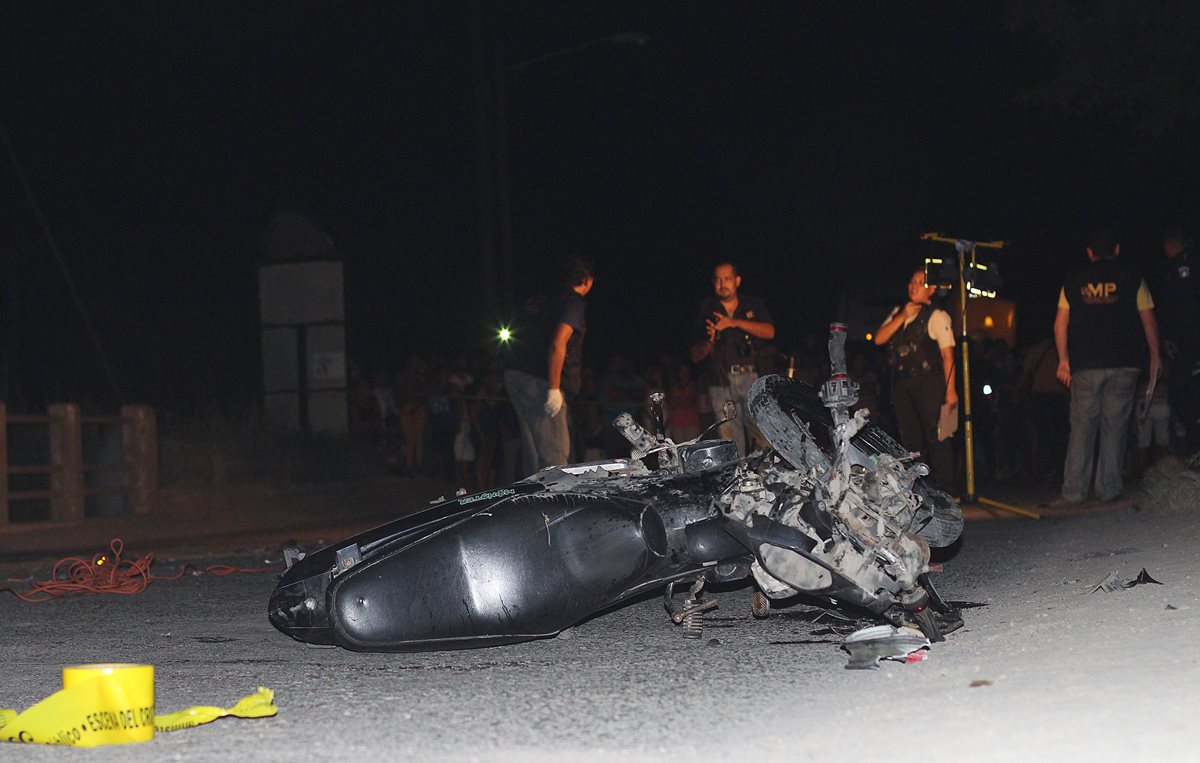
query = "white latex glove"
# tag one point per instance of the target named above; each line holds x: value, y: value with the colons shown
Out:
x: 554, y: 402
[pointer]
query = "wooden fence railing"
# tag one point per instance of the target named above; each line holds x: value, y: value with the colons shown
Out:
x: 67, y: 490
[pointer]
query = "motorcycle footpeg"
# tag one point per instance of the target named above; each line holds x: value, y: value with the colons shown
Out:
x: 692, y: 607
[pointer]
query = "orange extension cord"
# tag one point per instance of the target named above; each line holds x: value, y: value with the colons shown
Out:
x: 109, y: 573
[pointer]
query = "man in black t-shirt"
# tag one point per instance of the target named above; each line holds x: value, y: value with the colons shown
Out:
x: 546, y: 367
x: 1104, y: 327
x: 729, y: 330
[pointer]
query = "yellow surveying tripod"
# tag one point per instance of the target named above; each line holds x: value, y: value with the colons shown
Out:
x: 975, y: 279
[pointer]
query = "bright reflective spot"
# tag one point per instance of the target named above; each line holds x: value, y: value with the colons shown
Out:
x: 987, y: 389
x: 870, y: 336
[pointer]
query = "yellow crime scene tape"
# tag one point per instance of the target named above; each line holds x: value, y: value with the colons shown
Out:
x: 113, y: 704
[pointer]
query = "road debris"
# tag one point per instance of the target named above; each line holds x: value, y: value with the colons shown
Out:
x: 1142, y: 578
x: 883, y: 642
x: 1112, y: 582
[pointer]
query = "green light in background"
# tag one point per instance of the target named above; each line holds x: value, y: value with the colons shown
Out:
x: 505, y: 335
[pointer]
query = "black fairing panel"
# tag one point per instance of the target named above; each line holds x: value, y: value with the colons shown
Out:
x: 527, y: 567
x: 298, y: 603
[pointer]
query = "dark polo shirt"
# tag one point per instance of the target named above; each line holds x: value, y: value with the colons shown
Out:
x: 733, y: 346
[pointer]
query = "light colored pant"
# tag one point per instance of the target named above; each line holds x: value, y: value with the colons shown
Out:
x: 545, y: 440
x: 741, y: 430
x: 1101, y: 404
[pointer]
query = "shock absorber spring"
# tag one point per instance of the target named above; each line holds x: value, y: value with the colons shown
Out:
x: 693, y: 619
x: 691, y: 615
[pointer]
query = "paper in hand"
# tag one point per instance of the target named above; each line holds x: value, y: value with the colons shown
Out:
x: 947, y: 421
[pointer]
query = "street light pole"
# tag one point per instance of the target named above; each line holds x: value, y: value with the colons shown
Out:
x: 496, y: 211
x: 503, y: 196
x: 483, y: 157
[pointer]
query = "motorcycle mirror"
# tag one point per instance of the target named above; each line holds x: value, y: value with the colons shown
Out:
x: 728, y: 413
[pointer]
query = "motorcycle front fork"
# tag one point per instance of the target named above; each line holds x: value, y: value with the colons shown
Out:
x: 923, y: 605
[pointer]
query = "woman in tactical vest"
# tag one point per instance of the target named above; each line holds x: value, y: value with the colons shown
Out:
x: 920, y: 342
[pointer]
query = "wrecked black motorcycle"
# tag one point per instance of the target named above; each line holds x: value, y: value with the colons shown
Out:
x: 834, y: 509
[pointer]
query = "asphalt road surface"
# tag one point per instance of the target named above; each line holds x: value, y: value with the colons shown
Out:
x: 1042, y: 670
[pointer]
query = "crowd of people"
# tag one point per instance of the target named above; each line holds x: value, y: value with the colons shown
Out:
x: 1054, y: 411
x: 491, y: 420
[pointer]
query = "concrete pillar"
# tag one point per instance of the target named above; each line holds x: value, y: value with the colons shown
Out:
x: 66, y: 463
x: 139, y: 444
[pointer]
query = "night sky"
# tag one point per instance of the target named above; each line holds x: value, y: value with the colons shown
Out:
x: 810, y: 143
